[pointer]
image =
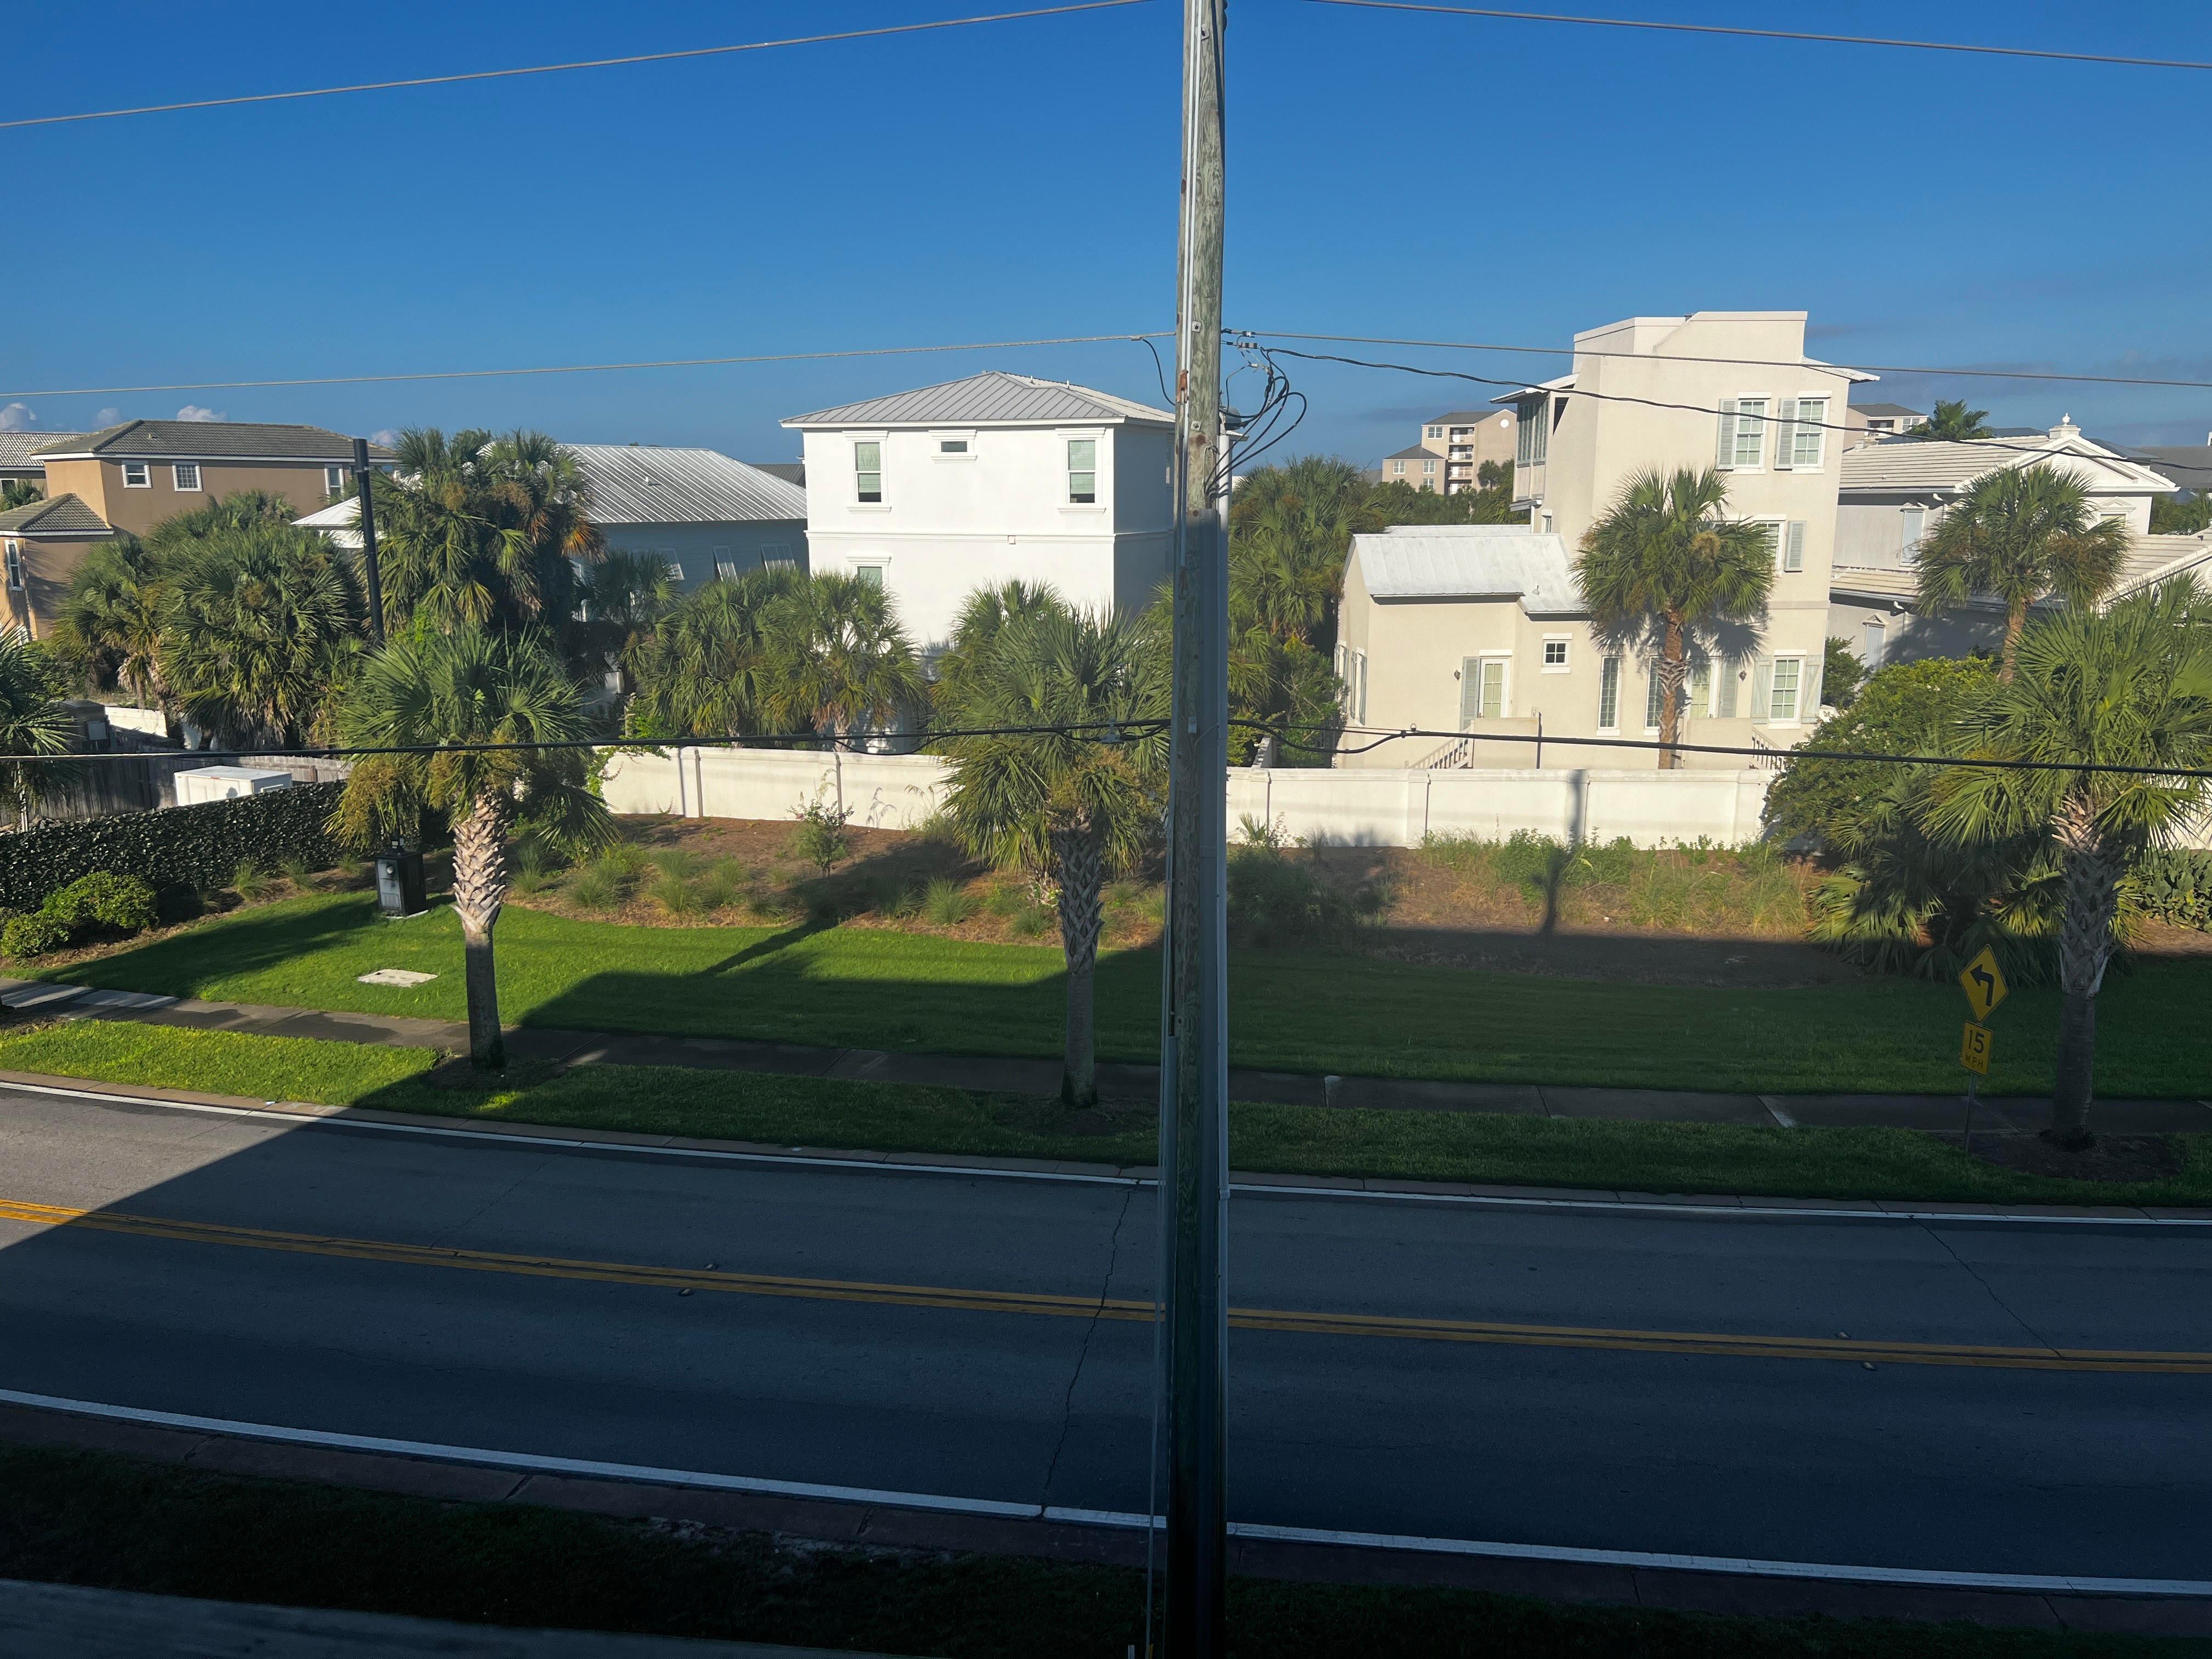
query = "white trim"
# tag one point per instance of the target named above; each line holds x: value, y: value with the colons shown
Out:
x: 707, y: 1480
x: 145, y: 479
x: 1565, y: 664
x: 176, y: 478
x: 938, y: 439
x: 1766, y: 418
x: 1797, y: 704
x: 1822, y: 429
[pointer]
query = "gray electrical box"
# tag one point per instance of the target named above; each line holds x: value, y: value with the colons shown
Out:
x: 399, y: 884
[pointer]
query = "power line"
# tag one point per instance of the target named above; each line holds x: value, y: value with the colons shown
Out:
x: 583, y: 368
x: 1740, y: 362
x: 1774, y: 34
x: 559, y: 69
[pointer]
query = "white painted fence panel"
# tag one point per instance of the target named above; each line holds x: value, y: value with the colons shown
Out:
x: 1363, y: 806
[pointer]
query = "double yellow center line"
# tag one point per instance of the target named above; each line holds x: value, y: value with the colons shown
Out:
x: 1041, y: 1305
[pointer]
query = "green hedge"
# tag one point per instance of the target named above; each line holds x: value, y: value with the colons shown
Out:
x: 197, y: 846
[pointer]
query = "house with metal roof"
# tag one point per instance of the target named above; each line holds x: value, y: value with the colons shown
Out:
x: 705, y: 514
x: 936, y: 492
x: 41, y: 544
x: 1891, y: 495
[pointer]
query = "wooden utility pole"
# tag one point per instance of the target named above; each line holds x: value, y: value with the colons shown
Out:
x: 1193, y: 1044
x: 361, y: 469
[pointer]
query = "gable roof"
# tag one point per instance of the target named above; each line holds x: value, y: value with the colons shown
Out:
x: 993, y: 397
x: 1469, y: 562
x: 205, y: 440
x: 1416, y: 453
x: 17, y: 447
x: 633, y: 484
x: 1470, y: 416
x: 2188, y: 465
x: 63, y: 517
x: 1908, y: 463
x: 1889, y: 410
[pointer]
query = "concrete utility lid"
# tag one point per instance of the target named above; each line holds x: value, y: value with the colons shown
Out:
x: 405, y: 978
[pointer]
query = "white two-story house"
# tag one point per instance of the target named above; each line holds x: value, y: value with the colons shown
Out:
x: 1483, y: 630
x: 937, y: 492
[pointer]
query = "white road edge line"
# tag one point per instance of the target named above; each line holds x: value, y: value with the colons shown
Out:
x: 652, y: 1475
x: 1251, y: 1189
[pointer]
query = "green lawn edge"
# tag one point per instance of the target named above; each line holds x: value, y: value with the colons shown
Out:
x: 110, y: 1521
x: 1479, y: 1148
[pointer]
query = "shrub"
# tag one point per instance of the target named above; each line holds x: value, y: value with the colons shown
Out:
x: 122, y: 903
x: 597, y: 888
x: 724, y: 886
x: 946, y: 903
x: 1274, y: 900
x: 1029, y: 920
x: 249, y: 881
x: 674, y: 895
x: 2173, y: 885
x: 820, y: 838
x: 298, y: 872
x: 677, y: 862
x: 34, y: 935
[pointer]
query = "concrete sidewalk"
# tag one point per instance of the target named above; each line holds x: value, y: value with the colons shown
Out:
x: 1008, y: 1075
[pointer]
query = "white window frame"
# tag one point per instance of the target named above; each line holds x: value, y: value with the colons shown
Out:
x: 880, y: 567
x: 1737, y: 425
x: 1428, y: 469
x: 1484, y: 661
x: 1435, y: 432
x: 1796, y: 716
x: 1608, y: 687
x: 145, y: 478
x: 674, y: 569
x: 862, y: 473
x: 1070, y: 472
x: 725, y: 562
x: 1873, y: 631
x: 1397, y: 469
x: 177, y: 471
x: 334, y: 480
x: 940, y: 453
x: 1565, y: 643
x: 1908, y: 542
x: 1803, y: 427
x: 15, y: 558
x: 1532, y: 433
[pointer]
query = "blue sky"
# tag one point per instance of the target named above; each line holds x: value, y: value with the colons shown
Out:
x: 1018, y: 180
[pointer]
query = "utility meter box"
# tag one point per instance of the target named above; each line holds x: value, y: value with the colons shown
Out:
x: 399, y: 884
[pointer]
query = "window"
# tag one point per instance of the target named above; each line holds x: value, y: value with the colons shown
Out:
x: 1743, y: 432
x: 1531, y: 436
x: 868, y: 472
x: 1609, y: 694
x: 187, y: 475
x: 334, y: 480
x: 1082, y: 470
x: 1652, y: 697
x: 725, y: 564
x: 1808, y: 435
x: 1912, y: 525
x: 1482, y: 689
x: 1793, y: 546
x: 1701, y: 686
x: 1398, y: 469
x: 1429, y: 468
x: 1352, y: 671
x: 1555, y: 656
x: 14, y: 567
x: 136, y: 476
x: 952, y: 446
x: 869, y: 576
x: 1436, y: 432
x: 777, y: 555
x: 1782, y: 701
x: 1872, y: 637
x: 675, y: 571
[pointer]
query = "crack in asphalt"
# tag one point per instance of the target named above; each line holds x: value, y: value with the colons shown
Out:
x: 1083, y: 1353
x: 1974, y: 1273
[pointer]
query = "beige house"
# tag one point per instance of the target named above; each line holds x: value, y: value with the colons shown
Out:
x: 1481, y: 630
x: 1419, y: 466
x: 42, y: 545
x: 1464, y: 439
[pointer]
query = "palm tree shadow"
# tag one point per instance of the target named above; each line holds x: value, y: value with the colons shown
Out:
x: 774, y: 945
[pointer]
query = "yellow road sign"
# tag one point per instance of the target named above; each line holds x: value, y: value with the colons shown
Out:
x: 1974, y: 1050
x: 1984, y: 982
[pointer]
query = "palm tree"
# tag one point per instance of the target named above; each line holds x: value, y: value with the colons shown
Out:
x: 243, y: 509
x: 109, y: 623
x: 705, y: 672
x: 31, y: 723
x: 1290, y: 528
x: 837, y: 660
x: 1661, y: 565
x: 475, y: 532
x: 467, y: 686
x: 257, y: 627
x: 2019, y: 534
x: 1952, y: 423
x: 1289, y: 686
x: 982, y: 614
x: 2131, y: 686
x: 1064, y: 805
x: 19, y: 492
x: 627, y: 594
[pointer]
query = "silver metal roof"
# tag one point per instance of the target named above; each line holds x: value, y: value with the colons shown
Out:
x: 1470, y: 562
x: 993, y: 397
x: 635, y: 484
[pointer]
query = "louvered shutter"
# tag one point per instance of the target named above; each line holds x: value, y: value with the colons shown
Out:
x: 1809, y: 708
x: 1785, y: 433
x: 1470, y: 691
x: 1728, y: 435
x: 1762, y: 690
x: 1726, y: 669
x: 1793, y: 546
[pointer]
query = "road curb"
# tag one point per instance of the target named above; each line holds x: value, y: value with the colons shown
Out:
x: 1058, y: 1536
x: 1247, y: 1184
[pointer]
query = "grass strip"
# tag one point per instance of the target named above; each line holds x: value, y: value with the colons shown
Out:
x: 789, y: 1110
x: 1292, y: 1010
x: 110, y: 1522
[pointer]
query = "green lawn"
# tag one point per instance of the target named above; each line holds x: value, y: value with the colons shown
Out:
x: 1290, y: 1010
x: 101, y: 1519
x: 784, y: 1110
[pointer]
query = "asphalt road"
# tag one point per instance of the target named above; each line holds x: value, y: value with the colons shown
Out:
x: 934, y: 1333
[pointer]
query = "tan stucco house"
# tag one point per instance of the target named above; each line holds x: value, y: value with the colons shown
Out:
x: 42, y: 545
x: 1482, y: 629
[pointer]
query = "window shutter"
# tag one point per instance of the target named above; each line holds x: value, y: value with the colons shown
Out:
x: 1785, y: 433
x: 1727, y: 670
x: 1762, y: 690
x: 1793, y: 546
x: 1728, y: 435
x: 1809, y: 705
x: 1470, y: 691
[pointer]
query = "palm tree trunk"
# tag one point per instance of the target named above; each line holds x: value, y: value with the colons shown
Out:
x: 479, y: 889
x: 1673, y: 669
x: 1076, y: 850
x: 2085, y: 945
x: 2015, y: 620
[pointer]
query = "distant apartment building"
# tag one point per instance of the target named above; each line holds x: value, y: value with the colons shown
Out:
x: 1869, y: 423
x: 1482, y: 629
x: 1464, y: 439
x: 127, y: 479
x: 937, y: 492
x: 1419, y: 466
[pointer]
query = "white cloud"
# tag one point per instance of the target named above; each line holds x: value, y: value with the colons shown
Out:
x: 15, y: 417
x: 107, y: 417
x: 194, y: 412
x: 389, y: 437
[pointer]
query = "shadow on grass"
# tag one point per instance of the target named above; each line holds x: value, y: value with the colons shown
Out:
x: 254, y: 940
